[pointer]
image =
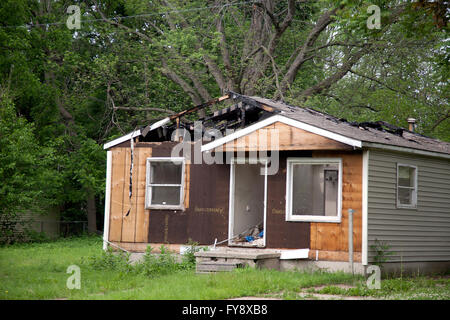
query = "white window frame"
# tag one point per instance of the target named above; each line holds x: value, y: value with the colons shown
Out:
x: 289, y: 184
x: 148, y: 193
x: 413, y: 205
x: 243, y: 160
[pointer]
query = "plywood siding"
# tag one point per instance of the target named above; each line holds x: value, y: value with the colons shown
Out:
x: 142, y: 215
x: 280, y: 136
x: 333, y: 237
x: 421, y: 234
x: 281, y: 233
x: 117, y: 193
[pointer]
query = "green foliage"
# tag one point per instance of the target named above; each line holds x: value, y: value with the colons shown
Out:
x: 118, y: 261
x: 151, y: 264
x: 381, y: 252
x: 27, y: 172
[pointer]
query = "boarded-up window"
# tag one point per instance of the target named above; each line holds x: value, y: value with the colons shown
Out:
x: 165, y: 178
x: 314, y: 189
x: 406, y: 186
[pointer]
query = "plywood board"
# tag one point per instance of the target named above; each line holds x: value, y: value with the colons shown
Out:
x: 128, y: 212
x: 117, y: 190
x: 142, y: 214
x: 334, y: 236
x: 280, y: 233
x: 280, y: 136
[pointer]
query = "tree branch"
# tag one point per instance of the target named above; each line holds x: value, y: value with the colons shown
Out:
x: 144, y: 109
x: 292, y: 70
x: 326, y: 83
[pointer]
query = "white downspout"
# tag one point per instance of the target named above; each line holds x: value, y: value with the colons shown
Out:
x: 365, y: 193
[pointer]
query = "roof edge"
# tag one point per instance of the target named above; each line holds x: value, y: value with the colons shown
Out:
x: 122, y: 139
x: 374, y: 145
x: 280, y: 118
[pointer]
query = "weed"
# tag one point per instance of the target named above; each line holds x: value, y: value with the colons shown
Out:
x: 382, y: 253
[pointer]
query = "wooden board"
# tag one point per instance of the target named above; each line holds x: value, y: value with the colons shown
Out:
x: 280, y: 136
x: 142, y: 215
x: 281, y: 233
x: 117, y: 188
x: 334, y: 236
x: 129, y: 210
x: 333, y: 255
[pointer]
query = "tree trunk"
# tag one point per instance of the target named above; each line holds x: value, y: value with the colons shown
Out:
x: 91, y: 212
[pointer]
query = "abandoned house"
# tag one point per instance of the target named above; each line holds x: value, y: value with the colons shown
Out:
x: 281, y: 186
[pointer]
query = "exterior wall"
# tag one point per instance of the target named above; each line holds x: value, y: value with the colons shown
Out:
x: 414, y: 235
x: 281, y: 233
x: 330, y: 240
x: 205, y: 217
x: 206, y: 201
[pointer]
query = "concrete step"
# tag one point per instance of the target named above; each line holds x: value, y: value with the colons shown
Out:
x: 216, y: 266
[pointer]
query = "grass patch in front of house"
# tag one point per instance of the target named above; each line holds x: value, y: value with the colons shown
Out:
x: 410, y: 288
x: 38, y: 271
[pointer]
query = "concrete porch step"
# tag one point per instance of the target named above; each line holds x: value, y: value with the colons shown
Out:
x: 216, y: 266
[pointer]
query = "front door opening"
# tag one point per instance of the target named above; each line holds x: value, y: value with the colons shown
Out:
x: 247, y: 205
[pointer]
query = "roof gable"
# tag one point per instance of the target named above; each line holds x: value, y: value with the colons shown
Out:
x: 305, y: 131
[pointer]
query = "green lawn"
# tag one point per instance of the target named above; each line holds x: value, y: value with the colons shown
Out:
x: 38, y: 271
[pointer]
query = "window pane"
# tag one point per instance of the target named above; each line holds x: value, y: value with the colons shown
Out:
x: 165, y: 172
x: 315, y: 189
x: 406, y: 176
x: 405, y: 196
x: 165, y: 195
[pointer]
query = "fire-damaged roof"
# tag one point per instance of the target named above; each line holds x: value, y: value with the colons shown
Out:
x: 378, y: 132
x: 247, y: 111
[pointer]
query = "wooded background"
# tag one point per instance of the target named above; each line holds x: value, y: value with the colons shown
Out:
x: 65, y: 92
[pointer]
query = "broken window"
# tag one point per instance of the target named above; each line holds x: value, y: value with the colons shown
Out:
x: 165, y: 178
x: 314, y: 190
x: 406, y: 186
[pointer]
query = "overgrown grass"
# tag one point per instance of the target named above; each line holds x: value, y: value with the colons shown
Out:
x: 417, y: 288
x: 38, y: 271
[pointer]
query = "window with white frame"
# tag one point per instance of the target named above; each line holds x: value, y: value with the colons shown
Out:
x: 165, y: 183
x: 406, y: 186
x: 314, y: 189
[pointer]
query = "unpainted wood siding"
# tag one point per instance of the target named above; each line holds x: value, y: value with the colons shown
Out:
x: 421, y: 234
x: 331, y: 239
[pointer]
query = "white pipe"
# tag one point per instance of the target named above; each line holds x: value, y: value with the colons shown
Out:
x: 350, y: 238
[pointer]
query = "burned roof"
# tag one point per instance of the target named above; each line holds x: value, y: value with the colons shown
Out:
x: 248, y: 110
x: 379, y: 132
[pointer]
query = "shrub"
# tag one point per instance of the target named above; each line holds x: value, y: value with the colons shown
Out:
x: 111, y: 260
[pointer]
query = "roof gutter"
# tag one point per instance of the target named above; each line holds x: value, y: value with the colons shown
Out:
x: 122, y: 139
x: 381, y: 146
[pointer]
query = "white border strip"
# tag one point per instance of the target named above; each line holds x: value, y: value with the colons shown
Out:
x: 107, y: 199
x: 285, y: 120
x: 122, y: 139
x: 365, y: 206
x: 235, y: 161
